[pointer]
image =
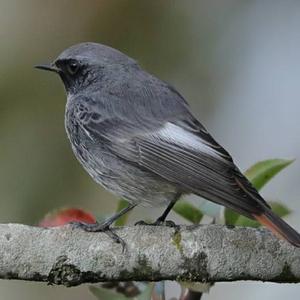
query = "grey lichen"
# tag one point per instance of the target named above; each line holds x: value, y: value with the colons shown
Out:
x: 286, y: 275
x: 195, y: 268
x: 64, y: 273
x: 143, y: 271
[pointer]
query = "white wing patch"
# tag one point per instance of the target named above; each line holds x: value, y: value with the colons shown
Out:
x: 177, y: 135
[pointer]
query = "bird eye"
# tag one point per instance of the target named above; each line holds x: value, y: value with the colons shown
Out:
x: 72, y: 67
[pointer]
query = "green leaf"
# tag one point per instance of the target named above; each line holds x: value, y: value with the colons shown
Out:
x: 122, y: 220
x: 260, y: 173
x: 232, y: 218
x: 245, y: 222
x: 188, y: 211
x: 279, y: 209
x: 106, y: 294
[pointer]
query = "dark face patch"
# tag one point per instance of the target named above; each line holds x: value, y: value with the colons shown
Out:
x: 70, y: 71
x: 77, y: 74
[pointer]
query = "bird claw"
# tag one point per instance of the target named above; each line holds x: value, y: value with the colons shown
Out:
x: 98, y: 227
x: 90, y: 227
x: 142, y: 223
x: 158, y: 222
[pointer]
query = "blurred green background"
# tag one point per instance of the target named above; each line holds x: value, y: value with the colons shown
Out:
x: 236, y: 62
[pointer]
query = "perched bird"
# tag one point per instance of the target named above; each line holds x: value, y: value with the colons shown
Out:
x: 136, y: 136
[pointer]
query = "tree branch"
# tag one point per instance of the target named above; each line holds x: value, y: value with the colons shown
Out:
x: 195, y: 253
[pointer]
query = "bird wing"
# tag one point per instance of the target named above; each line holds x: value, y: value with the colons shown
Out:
x: 174, y: 146
x: 196, y: 166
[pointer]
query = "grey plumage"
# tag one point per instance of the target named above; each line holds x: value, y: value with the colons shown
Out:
x: 135, y: 134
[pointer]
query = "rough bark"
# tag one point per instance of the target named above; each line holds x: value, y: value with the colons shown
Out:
x: 193, y: 253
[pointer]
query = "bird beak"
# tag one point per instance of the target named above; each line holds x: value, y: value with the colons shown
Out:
x: 50, y: 67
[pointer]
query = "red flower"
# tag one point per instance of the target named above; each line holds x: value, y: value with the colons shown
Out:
x: 65, y: 216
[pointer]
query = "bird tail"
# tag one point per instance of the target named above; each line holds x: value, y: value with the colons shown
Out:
x: 278, y: 227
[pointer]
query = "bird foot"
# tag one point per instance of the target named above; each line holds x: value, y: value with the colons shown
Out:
x: 158, y: 222
x: 100, y: 227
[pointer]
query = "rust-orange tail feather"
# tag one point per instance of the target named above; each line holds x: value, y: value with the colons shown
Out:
x: 278, y: 227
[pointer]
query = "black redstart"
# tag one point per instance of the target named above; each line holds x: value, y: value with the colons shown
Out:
x: 135, y: 135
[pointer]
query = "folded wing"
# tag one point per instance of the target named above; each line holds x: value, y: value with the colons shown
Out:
x: 193, y: 163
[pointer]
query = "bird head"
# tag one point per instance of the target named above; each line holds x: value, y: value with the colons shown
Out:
x: 86, y: 64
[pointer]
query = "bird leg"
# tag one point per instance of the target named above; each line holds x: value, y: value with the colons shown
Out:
x: 162, y: 219
x: 105, y: 225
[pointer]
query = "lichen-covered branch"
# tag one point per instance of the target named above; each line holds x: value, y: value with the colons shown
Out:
x: 195, y: 253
